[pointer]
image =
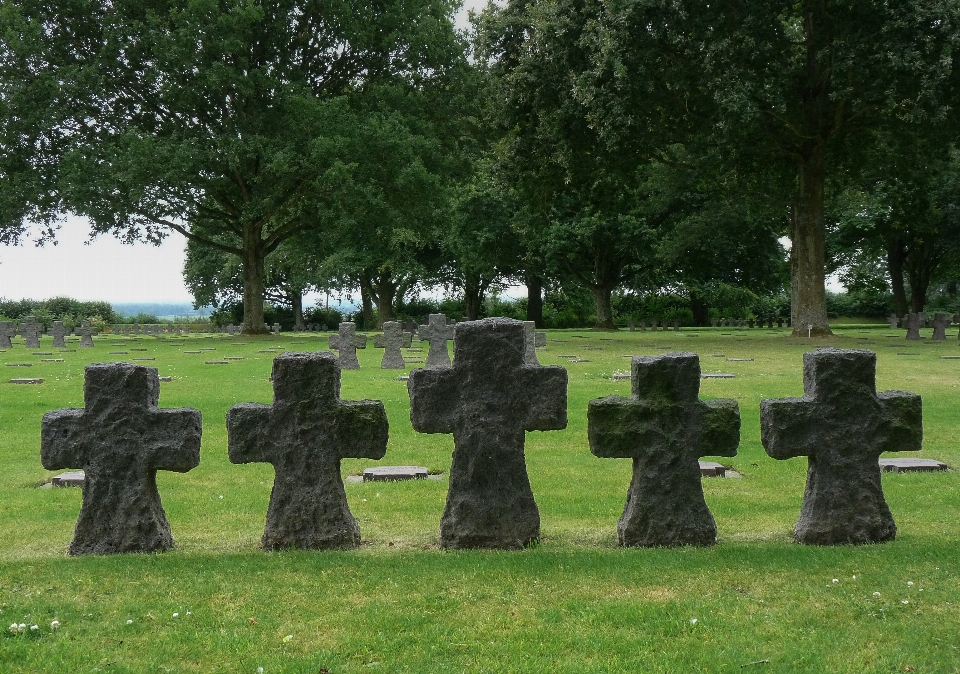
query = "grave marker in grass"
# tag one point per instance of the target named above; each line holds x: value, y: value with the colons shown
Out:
x: 59, y: 332
x: 346, y: 342
x: 7, y: 331
x: 488, y: 400
x: 531, y: 340
x: 665, y: 428
x: 120, y: 440
x: 86, y: 335
x: 940, y: 324
x: 305, y: 434
x: 843, y: 425
x: 391, y: 341
x: 437, y: 333
x: 30, y: 330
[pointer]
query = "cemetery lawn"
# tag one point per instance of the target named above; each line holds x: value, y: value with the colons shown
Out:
x: 574, y: 603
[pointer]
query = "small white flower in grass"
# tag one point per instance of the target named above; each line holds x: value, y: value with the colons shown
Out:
x: 188, y: 613
x: 854, y: 576
x: 693, y: 621
x: 288, y: 638
x: 909, y: 583
x: 54, y: 624
x: 129, y: 622
x: 836, y: 580
x: 12, y: 628
x: 176, y: 615
x: 876, y: 594
x: 904, y: 601
x: 259, y: 670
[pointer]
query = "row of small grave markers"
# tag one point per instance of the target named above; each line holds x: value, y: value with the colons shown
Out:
x: 487, y: 399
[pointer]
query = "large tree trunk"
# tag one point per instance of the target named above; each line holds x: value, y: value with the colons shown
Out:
x: 699, y: 308
x: 366, y: 304
x: 253, y: 273
x: 895, y: 259
x: 601, y: 296
x: 920, y: 265
x: 808, y: 306
x: 386, y: 292
x: 296, y: 301
x: 534, y: 298
x: 473, y: 290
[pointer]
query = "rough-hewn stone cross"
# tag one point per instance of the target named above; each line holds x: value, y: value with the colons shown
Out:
x: 391, y: 341
x: 913, y: 322
x: 58, y: 332
x: 120, y: 440
x: 7, y: 331
x: 438, y: 333
x: 346, y: 343
x: 843, y: 426
x: 86, y: 334
x: 30, y: 330
x: 665, y: 428
x: 531, y: 340
x: 893, y: 320
x: 488, y: 400
x: 305, y: 434
x: 940, y: 324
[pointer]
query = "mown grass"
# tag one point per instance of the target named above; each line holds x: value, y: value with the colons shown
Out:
x: 574, y: 603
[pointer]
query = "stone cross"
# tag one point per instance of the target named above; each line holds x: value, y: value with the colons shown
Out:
x: 276, y: 328
x: 438, y: 333
x: 914, y: 322
x: 58, y: 332
x: 120, y: 440
x: 86, y: 334
x: 30, y: 330
x: 843, y: 426
x: 136, y: 328
x: 488, y: 400
x: 305, y: 434
x: 346, y: 342
x: 391, y: 341
x: 7, y: 331
x: 676, y: 325
x: 531, y: 340
x: 940, y: 324
x: 632, y: 325
x: 893, y: 320
x: 665, y: 428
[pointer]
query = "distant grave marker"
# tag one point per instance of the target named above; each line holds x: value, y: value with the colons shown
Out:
x: 531, y: 341
x: 346, y: 342
x: 437, y: 333
x: 391, y: 341
x: 394, y: 473
x: 59, y: 332
x: 30, y: 330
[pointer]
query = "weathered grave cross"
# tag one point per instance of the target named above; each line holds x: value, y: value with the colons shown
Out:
x: 7, y: 331
x: 438, y: 333
x: 391, y: 341
x: 58, y: 331
x: 488, y: 399
x: 120, y: 440
x: 305, y: 434
x: 843, y: 425
x: 531, y: 340
x: 914, y: 322
x: 940, y: 324
x: 30, y: 330
x: 665, y: 428
x: 346, y: 342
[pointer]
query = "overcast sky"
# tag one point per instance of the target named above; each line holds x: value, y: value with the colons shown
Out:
x: 104, y: 269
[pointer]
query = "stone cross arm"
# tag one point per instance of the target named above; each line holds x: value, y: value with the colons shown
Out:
x: 251, y: 437
x: 621, y: 427
x: 793, y: 427
x: 537, y: 401
x: 62, y: 443
x: 359, y: 341
x: 361, y: 429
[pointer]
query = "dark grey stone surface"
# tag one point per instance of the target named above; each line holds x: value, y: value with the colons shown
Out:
x: 843, y: 425
x: 120, y: 440
x: 346, y: 342
x: 305, y: 434
x: 58, y: 331
x: 391, y: 341
x: 437, y: 333
x: 940, y: 324
x: 7, y: 331
x: 86, y: 335
x: 665, y: 428
x: 914, y: 322
x: 911, y: 465
x: 488, y: 400
x: 532, y: 340
x: 30, y: 330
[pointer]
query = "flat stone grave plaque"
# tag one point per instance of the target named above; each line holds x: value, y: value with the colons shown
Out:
x: 192, y: 352
x: 712, y: 469
x: 144, y: 359
x: 394, y: 473
x: 67, y: 350
x: 119, y: 353
x: 208, y: 348
x: 717, y: 375
x: 569, y: 356
x: 19, y: 364
x: 403, y: 377
x: 43, y: 353
x: 73, y: 478
x: 716, y: 355
x: 233, y: 357
x: 217, y: 362
x: 907, y: 353
x: 663, y: 348
x: 26, y: 381
x: 166, y: 378
x: 138, y: 349
x: 620, y: 377
x: 579, y: 360
x: 593, y: 348
x: 911, y: 465
x: 238, y: 343
x: 892, y: 336
x: 265, y: 351
x: 739, y: 360
x: 949, y: 357
x: 415, y: 348
x: 51, y: 360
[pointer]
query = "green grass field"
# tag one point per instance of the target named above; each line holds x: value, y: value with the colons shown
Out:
x: 756, y: 602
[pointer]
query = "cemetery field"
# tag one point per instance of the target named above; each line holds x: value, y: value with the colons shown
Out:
x: 576, y: 602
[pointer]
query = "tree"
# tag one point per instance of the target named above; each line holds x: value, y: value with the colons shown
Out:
x: 228, y: 122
